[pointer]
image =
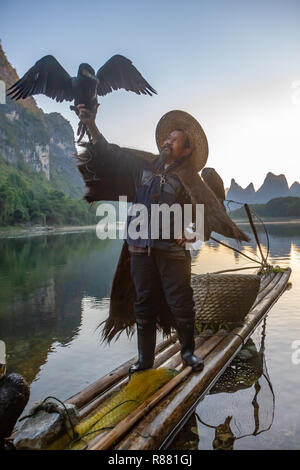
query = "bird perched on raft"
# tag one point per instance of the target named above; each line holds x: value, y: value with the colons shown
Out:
x: 215, y: 182
x: 14, y: 395
x: 49, y: 78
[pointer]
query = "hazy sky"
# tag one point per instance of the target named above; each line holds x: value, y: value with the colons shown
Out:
x: 233, y: 64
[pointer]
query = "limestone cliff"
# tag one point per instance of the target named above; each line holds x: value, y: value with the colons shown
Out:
x: 44, y: 141
x: 274, y: 186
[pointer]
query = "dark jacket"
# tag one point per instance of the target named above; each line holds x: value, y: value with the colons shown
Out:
x: 157, y: 185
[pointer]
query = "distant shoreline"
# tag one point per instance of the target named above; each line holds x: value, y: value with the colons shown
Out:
x: 17, y: 232
x: 22, y: 231
x: 269, y: 220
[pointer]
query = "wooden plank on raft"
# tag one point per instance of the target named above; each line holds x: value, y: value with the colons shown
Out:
x: 268, y: 288
x: 265, y: 280
x: 259, y: 310
x: 93, y: 390
x: 170, y: 353
x: 153, y: 429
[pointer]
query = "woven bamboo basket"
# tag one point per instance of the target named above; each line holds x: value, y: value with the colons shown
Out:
x: 223, y: 299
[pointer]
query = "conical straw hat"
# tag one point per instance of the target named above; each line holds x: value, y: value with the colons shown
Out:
x: 177, y: 119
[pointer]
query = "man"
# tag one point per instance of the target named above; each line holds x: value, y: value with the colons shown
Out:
x: 160, y: 269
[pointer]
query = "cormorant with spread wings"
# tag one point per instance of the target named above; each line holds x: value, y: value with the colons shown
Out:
x: 49, y: 78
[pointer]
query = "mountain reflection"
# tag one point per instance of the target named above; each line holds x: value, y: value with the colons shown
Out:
x: 42, y: 283
x: 281, y: 237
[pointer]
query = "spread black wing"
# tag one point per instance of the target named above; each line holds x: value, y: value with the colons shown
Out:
x: 118, y: 72
x: 45, y: 77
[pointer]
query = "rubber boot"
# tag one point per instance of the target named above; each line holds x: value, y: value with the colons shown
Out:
x: 146, y: 335
x: 185, y: 332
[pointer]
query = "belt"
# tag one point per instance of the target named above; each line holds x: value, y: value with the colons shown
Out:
x: 138, y: 250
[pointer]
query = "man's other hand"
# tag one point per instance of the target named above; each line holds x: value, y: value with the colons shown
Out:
x: 183, y: 240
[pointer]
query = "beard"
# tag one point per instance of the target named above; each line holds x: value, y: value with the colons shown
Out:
x: 165, y: 153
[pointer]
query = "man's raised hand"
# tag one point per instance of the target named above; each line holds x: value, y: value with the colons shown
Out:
x: 88, y: 117
x: 85, y: 115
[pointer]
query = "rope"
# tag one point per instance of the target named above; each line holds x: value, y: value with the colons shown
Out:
x: 52, y: 408
x: 254, y: 231
x: 266, y: 232
x: 257, y: 216
x: 263, y: 263
x: 238, y: 251
x: 81, y: 438
x: 85, y: 162
x: 230, y: 270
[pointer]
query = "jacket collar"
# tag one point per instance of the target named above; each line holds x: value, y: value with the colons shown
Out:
x: 158, y: 164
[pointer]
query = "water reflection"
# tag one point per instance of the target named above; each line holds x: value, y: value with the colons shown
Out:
x: 248, y: 370
x: 283, y: 237
x: 54, y: 291
x: 43, y: 283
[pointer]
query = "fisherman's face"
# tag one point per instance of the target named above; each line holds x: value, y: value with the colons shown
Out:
x: 175, y: 146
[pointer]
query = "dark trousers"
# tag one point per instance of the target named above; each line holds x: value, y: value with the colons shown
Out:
x: 156, y: 274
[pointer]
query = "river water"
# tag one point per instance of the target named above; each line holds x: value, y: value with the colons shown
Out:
x: 54, y: 292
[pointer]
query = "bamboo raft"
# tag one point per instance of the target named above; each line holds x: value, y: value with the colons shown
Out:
x: 155, y: 423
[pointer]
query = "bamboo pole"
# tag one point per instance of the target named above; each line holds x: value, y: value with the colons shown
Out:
x: 236, y: 250
x: 255, y: 233
x: 93, y: 405
x: 174, y: 361
x: 268, y: 288
x: 258, y: 312
x: 266, y: 279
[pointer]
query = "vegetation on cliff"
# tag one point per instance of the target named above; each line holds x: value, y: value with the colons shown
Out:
x: 26, y: 196
x: 44, y: 142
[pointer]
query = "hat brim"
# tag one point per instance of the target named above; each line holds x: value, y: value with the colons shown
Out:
x: 177, y: 119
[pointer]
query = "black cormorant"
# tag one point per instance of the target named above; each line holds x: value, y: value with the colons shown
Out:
x: 49, y: 78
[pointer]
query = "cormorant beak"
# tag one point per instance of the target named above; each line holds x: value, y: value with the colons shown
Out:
x: 90, y: 75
